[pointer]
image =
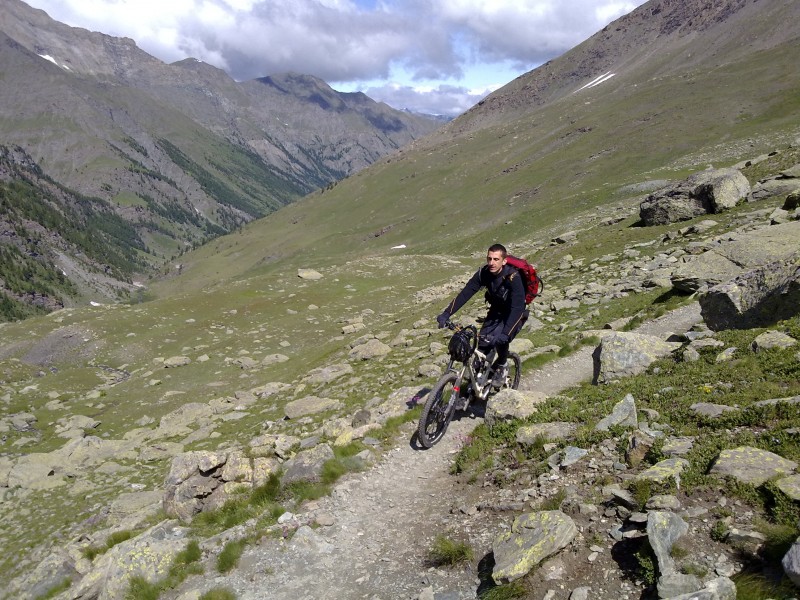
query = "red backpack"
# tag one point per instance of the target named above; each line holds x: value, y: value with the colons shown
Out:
x: 530, y: 278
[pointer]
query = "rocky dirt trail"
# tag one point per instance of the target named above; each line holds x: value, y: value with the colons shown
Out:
x: 378, y: 526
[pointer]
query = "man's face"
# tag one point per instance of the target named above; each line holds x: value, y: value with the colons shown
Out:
x: 495, y: 261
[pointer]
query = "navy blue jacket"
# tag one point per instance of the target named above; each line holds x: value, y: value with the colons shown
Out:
x: 505, y: 294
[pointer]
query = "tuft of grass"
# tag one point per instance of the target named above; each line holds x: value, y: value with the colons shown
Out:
x: 445, y: 551
x: 56, y: 589
x: 219, y: 593
x: 719, y: 531
x: 141, y: 589
x: 554, y: 502
x: 230, y: 555
x: 510, y: 591
x: 642, y: 490
x: 780, y: 537
x: 92, y: 552
x: 646, y: 561
x: 750, y: 586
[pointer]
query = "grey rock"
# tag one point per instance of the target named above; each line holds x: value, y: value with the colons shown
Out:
x: 690, y: 355
x: 772, y: 339
x: 772, y: 187
x: 309, y: 405
x: 620, y: 496
x: 677, y: 584
x: 148, y: 555
x: 527, y: 434
x: 177, y: 361
x: 767, y: 292
x: 751, y: 465
x: 532, y: 538
x: 663, y: 502
x: 663, y: 530
x: 580, y: 593
x: 622, y: 354
x: 790, y: 486
x: 710, y: 191
x: 623, y: 413
x: 720, y: 588
x: 791, y: 562
x: 663, y: 471
x: 373, y: 348
x: 512, y: 404
x: 711, y: 410
x: 309, y: 274
x: 307, y: 465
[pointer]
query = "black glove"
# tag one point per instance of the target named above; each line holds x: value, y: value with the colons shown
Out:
x: 442, y: 319
x: 500, y: 339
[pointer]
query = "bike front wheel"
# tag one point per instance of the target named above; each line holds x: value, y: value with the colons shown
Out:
x: 514, y: 371
x: 438, y: 411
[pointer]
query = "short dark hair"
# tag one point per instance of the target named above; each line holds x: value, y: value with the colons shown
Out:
x: 498, y: 248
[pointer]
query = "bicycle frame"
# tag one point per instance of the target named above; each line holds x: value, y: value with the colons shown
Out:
x: 478, y: 382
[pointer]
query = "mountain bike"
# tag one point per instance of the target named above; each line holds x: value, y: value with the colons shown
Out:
x: 468, y: 378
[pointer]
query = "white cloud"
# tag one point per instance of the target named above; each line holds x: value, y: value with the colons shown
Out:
x: 438, y: 44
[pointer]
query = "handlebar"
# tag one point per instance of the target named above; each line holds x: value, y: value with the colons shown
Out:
x: 486, y: 340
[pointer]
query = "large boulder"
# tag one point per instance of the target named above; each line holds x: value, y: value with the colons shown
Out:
x: 200, y: 481
x: 729, y: 259
x: 751, y: 465
x: 149, y: 555
x: 532, y: 538
x: 511, y: 404
x: 308, y: 464
x: 757, y: 298
x: 706, y: 192
x: 626, y: 353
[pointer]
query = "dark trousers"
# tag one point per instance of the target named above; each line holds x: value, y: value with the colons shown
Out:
x: 492, y: 327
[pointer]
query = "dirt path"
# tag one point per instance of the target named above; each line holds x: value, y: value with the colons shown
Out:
x: 384, y: 520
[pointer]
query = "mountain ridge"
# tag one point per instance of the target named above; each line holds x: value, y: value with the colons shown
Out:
x: 180, y: 151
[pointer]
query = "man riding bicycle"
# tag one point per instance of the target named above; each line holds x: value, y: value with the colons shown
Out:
x: 505, y: 294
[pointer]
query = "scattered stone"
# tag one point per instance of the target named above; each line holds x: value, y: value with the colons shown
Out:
x: 310, y: 405
x: 711, y: 410
x: 176, y: 361
x: 527, y: 434
x: 148, y: 555
x: 374, y: 348
x: 623, y: 414
x: 751, y: 465
x: 672, y: 585
x: 790, y: 486
x: 772, y: 339
x: 307, y: 465
x: 678, y: 446
x: 663, y: 502
x: 309, y: 274
x: 663, y: 471
x: 791, y: 562
x: 663, y: 530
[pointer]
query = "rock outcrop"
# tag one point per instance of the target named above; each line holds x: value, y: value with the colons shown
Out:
x: 706, y: 192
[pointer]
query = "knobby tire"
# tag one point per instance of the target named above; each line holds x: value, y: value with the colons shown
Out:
x: 438, y: 411
x: 514, y: 370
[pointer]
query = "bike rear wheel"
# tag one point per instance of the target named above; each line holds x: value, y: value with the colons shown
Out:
x: 438, y: 411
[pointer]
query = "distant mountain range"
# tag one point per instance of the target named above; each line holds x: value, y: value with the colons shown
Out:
x: 176, y: 153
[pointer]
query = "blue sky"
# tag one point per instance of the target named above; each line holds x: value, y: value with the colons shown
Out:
x: 435, y: 56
